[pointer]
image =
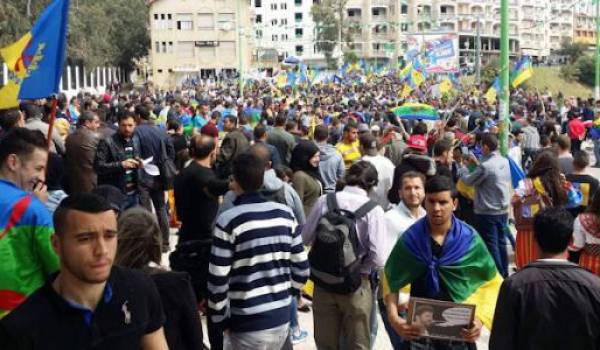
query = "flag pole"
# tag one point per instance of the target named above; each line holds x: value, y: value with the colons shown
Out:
x: 51, y: 120
x: 504, y: 78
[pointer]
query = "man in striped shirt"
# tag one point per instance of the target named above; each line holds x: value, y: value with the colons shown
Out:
x: 257, y: 264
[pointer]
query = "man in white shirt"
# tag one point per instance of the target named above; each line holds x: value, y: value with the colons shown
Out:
x: 409, y: 210
x: 385, y: 169
x: 397, y: 220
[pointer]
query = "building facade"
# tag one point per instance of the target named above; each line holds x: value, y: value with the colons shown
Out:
x: 198, y: 39
x: 378, y: 30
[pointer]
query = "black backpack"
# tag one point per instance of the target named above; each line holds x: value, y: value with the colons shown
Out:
x: 334, y: 256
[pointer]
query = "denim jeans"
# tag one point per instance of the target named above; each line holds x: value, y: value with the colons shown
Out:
x: 149, y: 198
x: 597, y: 152
x: 395, y: 338
x: 294, y: 313
x: 270, y: 339
x: 492, y: 229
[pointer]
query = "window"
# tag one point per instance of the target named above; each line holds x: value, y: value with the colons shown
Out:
x: 298, y: 17
x: 206, y: 21
x: 160, y: 71
x: 273, y: 6
x: 259, y: 34
x: 227, y: 48
x: 170, y: 47
x: 404, y: 9
x: 226, y: 17
x: 298, y: 2
x: 299, y: 33
x: 258, y: 18
x: 299, y: 50
x: 257, y: 3
x: 164, y: 47
x: 157, y: 46
x: 353, y: 12
x: 274, y: 37
x: 274, y: 22
x: 283, y: 6
x: 162, y: 24
x: 404, y: 27
x: 169, y: 21
x: 377, y: 11
x: 156, y: 24
x: 185, y: 21
x: 207, y: 52
x: 185, y: 49
x: 284, y: 22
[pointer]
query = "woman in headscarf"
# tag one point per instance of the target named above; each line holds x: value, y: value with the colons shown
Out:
x: 307, y: 179
x: 139, y: 247
x: 586, y: 237
x: 544, y: 186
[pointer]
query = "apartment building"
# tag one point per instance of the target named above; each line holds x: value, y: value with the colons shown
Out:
x: 191, y: 39
x: 585, y: 24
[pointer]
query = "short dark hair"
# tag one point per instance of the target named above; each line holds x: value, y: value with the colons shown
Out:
x: 123, y: 116
x: 248, y: 171
x: 350, y: 125
x: 362, y: 174
x: 441, y: 146
x: 201, y: 146
x: 143, y: 112
x: 85, y: 202
x: 440, y: 184
x: 280, y: 120
x: 412, y: 175
x: 261, y: 151
x: 259, y: 132
x: 9, y: 118
x: 581, y: 160
x: 321, y: 133
x: 489, y: 140
x: 31, y: 111
x: 553, y: 229
x: 22, y: 142
x: 420, y: 129
x: 85, y: 116
x: 173, y: 124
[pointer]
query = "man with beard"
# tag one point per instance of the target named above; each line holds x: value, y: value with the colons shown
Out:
x: 26, y: 257
x: 89, y: 302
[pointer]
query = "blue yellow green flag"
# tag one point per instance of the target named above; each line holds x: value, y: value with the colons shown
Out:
x: 523, y: 71
x: 35, y: 61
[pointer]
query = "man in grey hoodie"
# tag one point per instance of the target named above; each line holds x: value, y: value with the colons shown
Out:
x: 273, y: 188
x: 331, y: 166
x: 492, y: 181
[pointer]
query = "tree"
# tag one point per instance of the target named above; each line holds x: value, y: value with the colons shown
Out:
x: 573, y: 50
x: 328, y: 16
x: 350, y: 57
x: 490, y: 71
x: 586, y: 68
x: 100, y: 32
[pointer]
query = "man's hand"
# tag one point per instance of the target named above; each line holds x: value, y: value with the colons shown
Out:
x: 472, y: 160
x: 40, y: 190
x: 406, y: 331
x: 472, y: 334
x: 130, y: 164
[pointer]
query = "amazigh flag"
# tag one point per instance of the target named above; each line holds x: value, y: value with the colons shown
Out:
x: 465, y: 269
x: 35, y: 61
x: 523, y: 71
x: 492, y: 92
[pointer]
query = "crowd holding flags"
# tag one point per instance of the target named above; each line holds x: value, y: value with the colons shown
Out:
x: 523, y: 71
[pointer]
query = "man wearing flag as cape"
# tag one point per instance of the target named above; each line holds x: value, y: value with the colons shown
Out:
x: 441, y: 258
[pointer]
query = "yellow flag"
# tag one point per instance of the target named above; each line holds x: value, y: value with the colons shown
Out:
x: 417, y: 77
x: 13, y: 54
x: 445, y: 86
x: 9, y: 95
x: 406, y: 90
x: 490, y: 95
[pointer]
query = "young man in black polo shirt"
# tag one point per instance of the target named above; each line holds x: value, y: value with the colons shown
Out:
x: 89, y: 304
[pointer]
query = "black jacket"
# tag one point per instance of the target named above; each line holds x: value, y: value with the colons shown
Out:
x: 109, y: 155
x: 549, y: 305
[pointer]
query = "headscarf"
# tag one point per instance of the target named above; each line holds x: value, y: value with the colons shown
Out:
x: 301, y: 155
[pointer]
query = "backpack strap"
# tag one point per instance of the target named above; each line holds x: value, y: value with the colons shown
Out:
x: 364, y: 209
x: 332, y: 202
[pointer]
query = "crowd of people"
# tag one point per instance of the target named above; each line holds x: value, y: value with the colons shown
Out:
x: 136, y: 213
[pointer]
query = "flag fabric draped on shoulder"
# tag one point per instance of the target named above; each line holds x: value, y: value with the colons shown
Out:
x: 36, y: 60
x: 465, y: 268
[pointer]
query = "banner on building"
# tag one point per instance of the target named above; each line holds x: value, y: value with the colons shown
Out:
x: 439, y: 52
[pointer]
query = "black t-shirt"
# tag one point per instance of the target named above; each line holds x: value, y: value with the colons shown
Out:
x: 197, y: 190
x: 588, y: 185
x: 129, y: 309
